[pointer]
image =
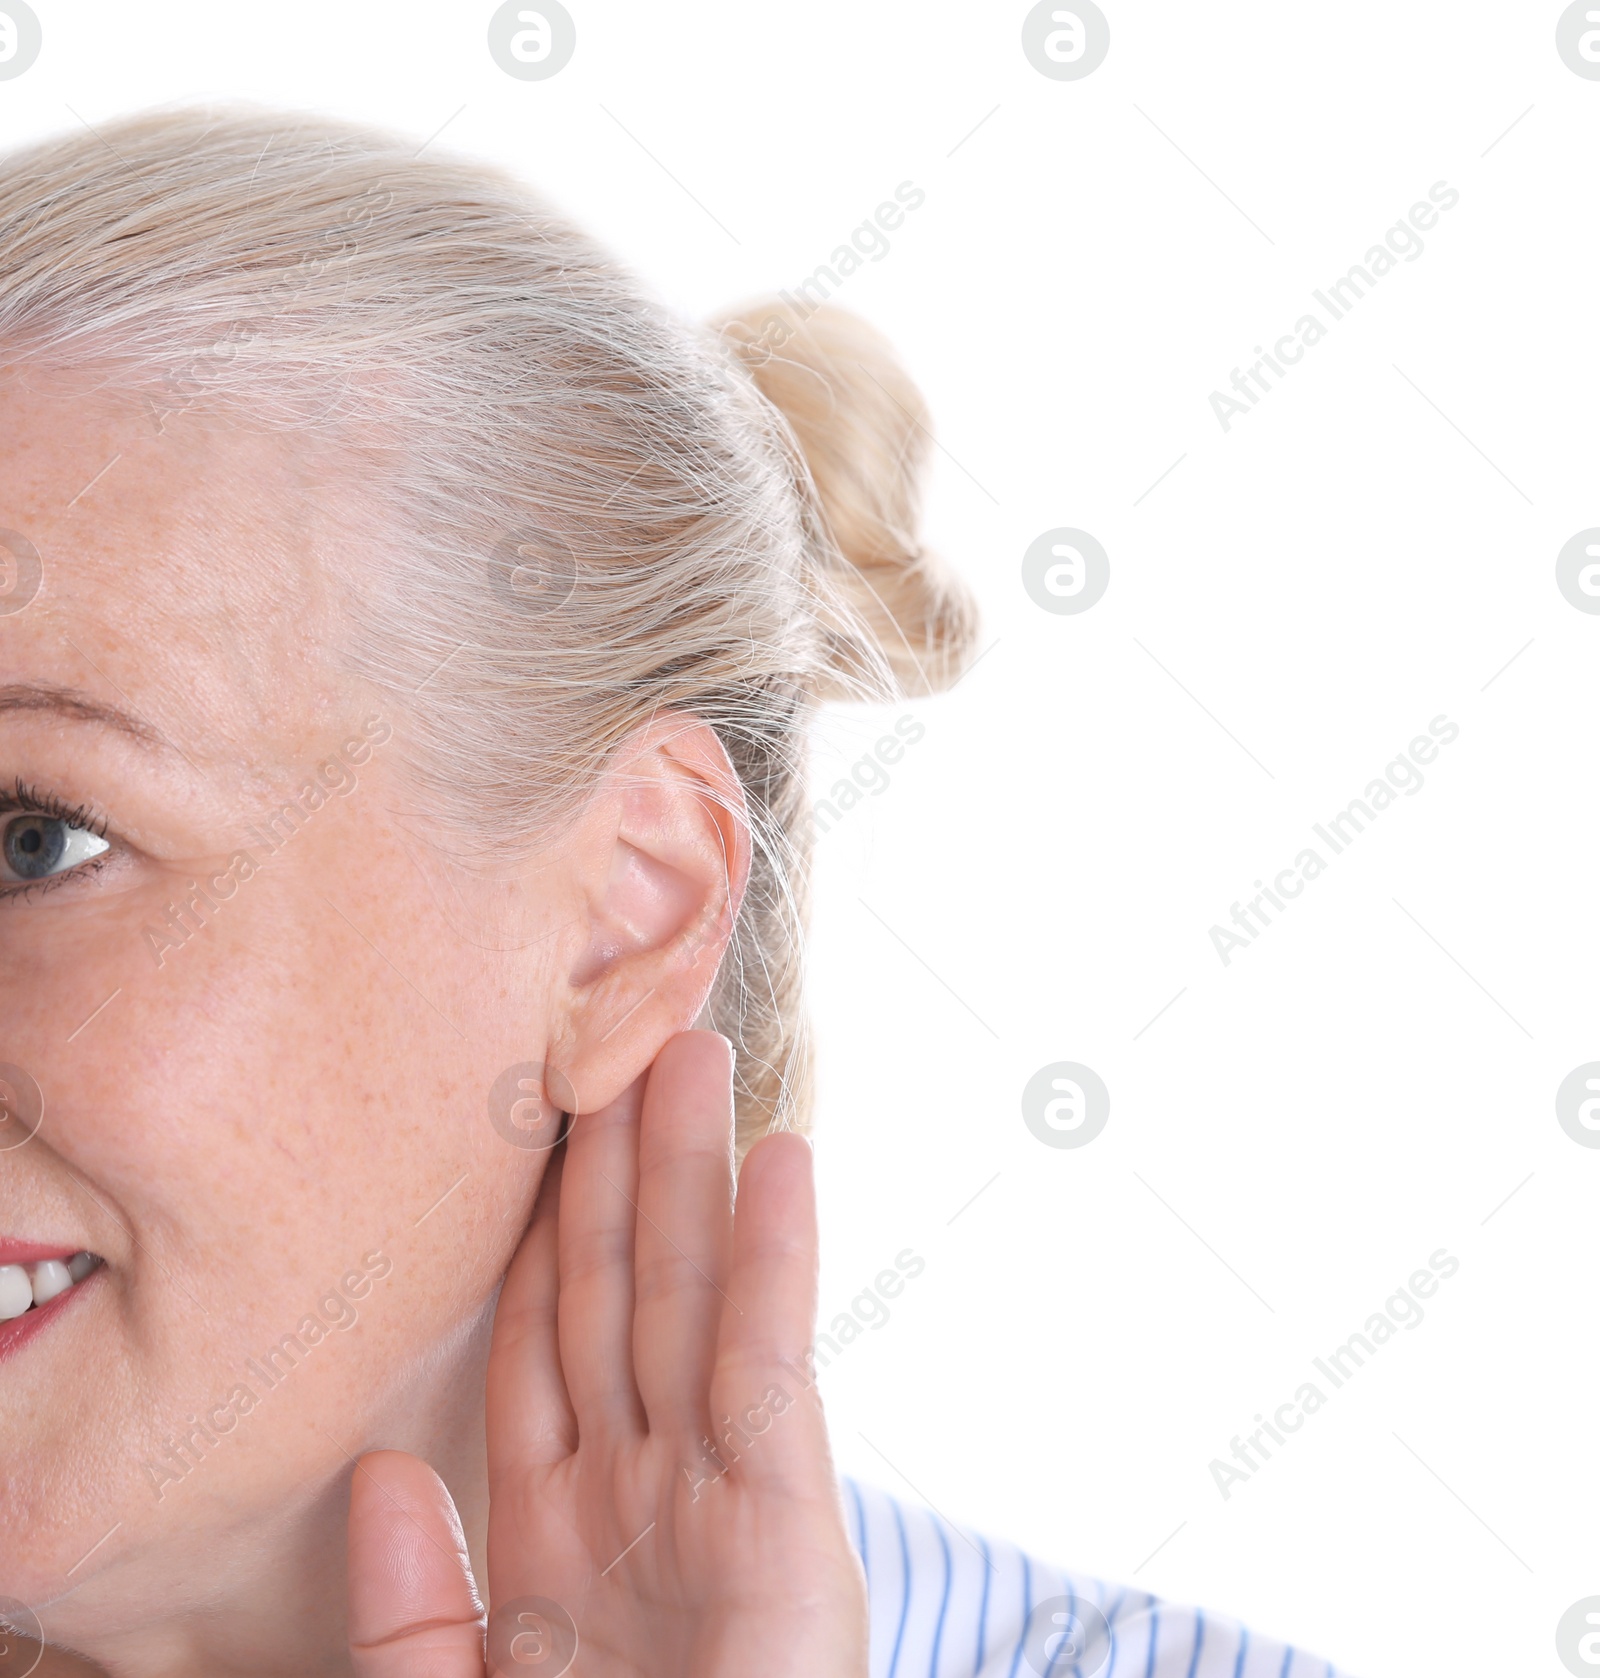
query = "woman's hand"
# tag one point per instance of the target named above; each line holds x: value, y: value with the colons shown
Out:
x: 662, y: 1498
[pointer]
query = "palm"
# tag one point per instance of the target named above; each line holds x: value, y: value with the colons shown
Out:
x: 659, y: 1475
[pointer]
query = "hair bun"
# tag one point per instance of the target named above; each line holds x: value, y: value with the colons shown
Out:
x: 861, y: 427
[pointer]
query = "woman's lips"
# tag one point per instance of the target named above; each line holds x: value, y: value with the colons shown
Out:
x: 18, y: 1331
x: 34, y: 1290
x: 32, y: 1252
x: 23, y: 1286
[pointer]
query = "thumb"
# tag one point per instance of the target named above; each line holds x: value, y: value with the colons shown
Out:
x: 414, y: 1610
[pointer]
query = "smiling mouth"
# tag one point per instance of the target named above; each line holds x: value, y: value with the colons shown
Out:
x: 30, y: 1287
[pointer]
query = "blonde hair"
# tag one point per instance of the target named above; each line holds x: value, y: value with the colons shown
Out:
x: 591, y: 512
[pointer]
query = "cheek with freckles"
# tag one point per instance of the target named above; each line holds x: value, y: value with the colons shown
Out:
x: 292, y: 1101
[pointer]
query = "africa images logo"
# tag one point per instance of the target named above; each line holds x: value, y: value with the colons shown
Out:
x: 1403, y: 774
x: 20, y: 38
x: 1403, y: 242
x: 1066, y: 42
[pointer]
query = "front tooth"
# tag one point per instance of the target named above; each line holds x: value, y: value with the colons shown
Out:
x: 50, y: 1277
x: 16, y: 1291
x: 80, y: 1264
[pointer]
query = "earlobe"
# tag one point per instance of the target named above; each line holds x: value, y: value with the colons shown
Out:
x: 668, y: 859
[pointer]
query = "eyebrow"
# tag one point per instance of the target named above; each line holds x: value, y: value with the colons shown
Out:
x: 79, y: 707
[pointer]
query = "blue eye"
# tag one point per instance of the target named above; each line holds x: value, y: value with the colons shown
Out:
x: 35, y: 847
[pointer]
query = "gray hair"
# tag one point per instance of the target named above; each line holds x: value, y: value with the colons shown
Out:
x: 593, y: 513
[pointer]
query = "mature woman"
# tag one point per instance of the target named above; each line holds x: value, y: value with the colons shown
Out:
x: 408, y: 634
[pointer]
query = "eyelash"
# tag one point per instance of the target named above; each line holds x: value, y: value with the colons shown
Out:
x: 25, y: 800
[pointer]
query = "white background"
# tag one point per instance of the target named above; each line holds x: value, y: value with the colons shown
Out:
x: 1366, y: 1083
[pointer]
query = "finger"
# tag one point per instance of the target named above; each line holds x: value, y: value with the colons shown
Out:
x: 762, y: 1383
x: 530, y: 1415
x: 414, y: 1611
x: 685, y: 1228
x: 599, y: 1186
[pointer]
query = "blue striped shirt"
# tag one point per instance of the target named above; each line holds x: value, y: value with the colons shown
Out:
x: 946, y: 1603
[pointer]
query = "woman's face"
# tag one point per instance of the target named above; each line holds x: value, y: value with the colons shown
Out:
x: 264, y: 1018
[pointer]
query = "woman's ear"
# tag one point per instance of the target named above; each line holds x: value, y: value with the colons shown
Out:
x: 663, y: 852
